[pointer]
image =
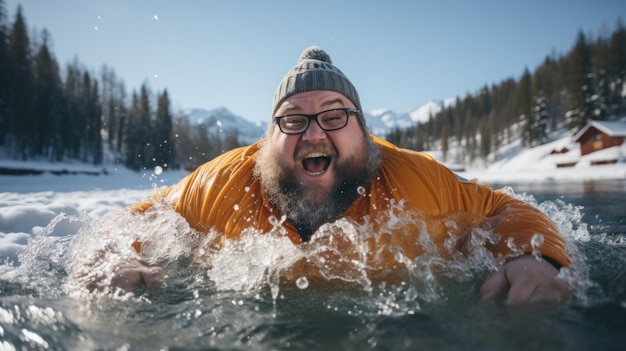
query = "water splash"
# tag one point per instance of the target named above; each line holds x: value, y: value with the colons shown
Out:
x: 105, y: 244
x: 349, y: 254
x: 342, y: 253
x: 41, y: 265
x: 568, y: 219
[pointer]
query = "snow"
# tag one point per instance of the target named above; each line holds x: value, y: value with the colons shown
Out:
x: 28, y: 203
x: 221, y: 121
x: 539, y: 164
x: 422, y: 114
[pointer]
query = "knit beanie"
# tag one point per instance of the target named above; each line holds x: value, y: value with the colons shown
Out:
x: 314, y: 71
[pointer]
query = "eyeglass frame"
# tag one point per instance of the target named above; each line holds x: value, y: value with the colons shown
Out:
x: 348, y: 110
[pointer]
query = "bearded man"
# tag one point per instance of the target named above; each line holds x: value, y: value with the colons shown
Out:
x: 319, y: 164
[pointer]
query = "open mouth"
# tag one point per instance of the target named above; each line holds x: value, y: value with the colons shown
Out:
x: 316, y: 164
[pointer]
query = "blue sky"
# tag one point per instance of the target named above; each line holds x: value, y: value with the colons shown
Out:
x: 233, y: 54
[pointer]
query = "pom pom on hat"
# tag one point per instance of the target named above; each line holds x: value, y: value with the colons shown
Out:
x: 314, y: 71
x: 315, y: 53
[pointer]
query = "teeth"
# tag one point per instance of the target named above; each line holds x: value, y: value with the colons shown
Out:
x: 315, y: 173
x: 316, y: 154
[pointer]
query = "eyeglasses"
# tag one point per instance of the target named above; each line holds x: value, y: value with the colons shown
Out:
x: 327, y: 120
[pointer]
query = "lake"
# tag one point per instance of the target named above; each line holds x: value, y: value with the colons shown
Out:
x: 191, y: 313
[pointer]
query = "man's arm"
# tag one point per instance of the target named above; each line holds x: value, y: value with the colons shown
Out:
x: 529, y: 243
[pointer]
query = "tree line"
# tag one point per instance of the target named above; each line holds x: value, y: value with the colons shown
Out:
x: 74, y: 114
x: 566, y: 91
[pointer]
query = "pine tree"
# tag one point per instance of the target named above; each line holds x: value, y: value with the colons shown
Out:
x: 131, y: 135
x: 444, y: 141
x: 485, y: 138
x: 581, y: 87
x: 92, y: 138
x: 162, y: 133
x: 541, y: 118
x: 183, y: 142
x: 108, y: 79
x: 617, y: 70
x: 524, y: 103
x: 138, y: 129
x: 48, y: 103
x: 145, y: 128
x: 73, y: 125
x: 121, y: 115
x: 113, y: 96
x: 5, y: 71
x: 21, y: 116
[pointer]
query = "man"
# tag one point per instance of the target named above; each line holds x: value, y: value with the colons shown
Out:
x: 319, y: 165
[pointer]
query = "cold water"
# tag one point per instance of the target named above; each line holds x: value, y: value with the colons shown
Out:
x: 238, y: 302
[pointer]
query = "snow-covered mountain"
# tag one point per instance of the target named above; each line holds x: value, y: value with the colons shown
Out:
x: 383, y: 121
x: 221, y: 121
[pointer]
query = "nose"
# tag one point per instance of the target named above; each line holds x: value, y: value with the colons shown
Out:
x: 314, y: 133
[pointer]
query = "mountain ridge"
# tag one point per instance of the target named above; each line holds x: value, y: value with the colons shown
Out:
x: 222, y: 122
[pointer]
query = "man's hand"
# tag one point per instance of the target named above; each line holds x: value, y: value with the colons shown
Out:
x: 525, y: 279
x: 134, y: 273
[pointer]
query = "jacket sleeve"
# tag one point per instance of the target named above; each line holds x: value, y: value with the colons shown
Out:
x: 513, y: 221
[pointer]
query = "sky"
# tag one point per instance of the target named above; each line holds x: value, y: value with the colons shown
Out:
x: 233, y: 54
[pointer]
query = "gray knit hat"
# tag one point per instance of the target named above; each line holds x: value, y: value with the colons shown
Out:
x: 314, y: 71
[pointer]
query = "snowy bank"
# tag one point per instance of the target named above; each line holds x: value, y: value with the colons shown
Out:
x: 540, y: 164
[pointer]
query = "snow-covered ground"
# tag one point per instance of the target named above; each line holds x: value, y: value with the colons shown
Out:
x: 539, y: 164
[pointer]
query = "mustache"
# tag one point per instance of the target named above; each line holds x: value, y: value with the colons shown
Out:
x: 306, y: 149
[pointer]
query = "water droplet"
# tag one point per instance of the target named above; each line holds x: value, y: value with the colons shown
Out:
x: 536, y: 241
x: 302, y: 283
x: 360, y: 190
x: 158, y: 170
x: 236, y: 207
x: 155, y: 17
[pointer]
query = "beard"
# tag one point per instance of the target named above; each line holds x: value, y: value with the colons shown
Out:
x: 308, y: 207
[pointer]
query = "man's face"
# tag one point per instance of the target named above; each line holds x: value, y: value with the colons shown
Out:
x: 316, y: 157
x: 313, y: 176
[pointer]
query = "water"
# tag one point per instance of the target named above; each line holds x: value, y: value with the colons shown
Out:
x: 245, y: 306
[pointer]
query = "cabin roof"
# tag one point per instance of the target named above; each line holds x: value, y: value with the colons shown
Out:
x: 610, y: 128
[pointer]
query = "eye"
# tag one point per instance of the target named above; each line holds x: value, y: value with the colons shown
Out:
x: 333, y: 118
x: 293, y: 122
